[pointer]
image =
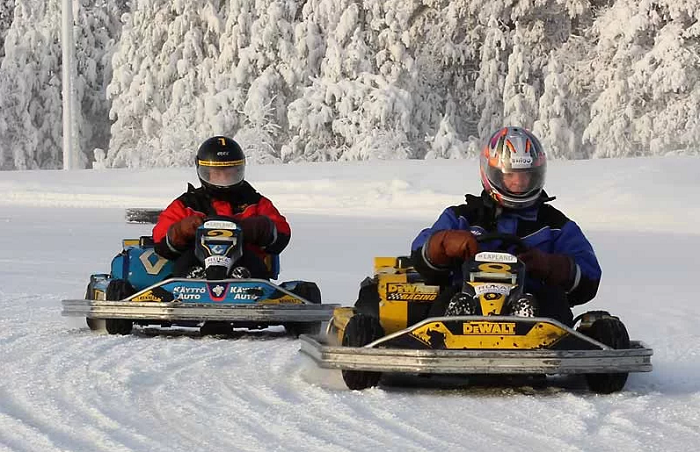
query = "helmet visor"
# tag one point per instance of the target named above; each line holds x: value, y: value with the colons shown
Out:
x: 221, y: 176
x: 517, y: 183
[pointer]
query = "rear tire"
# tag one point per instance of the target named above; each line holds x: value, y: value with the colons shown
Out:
x: 611, y: 332
x: 360, y: 331
x: 118, y: 289
x: 298, y: 328
x: 308, y: 290
x: 216, y: 328
x: 311, y: 292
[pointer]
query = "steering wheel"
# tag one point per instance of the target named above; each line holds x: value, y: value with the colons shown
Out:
x: 507, y: 240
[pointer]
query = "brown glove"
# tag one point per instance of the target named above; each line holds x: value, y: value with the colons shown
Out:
x: 554, y: 269
x: 181, y: 233
x: 258, y: 230
x: 444, y: 247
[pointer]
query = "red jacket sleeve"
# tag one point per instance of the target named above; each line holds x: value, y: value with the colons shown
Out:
x: 283, y: 231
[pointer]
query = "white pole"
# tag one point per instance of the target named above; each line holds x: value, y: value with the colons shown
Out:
x: 67, y: 84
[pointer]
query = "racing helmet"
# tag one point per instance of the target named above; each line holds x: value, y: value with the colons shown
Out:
x: 220, y: 164
x: 513, y: 166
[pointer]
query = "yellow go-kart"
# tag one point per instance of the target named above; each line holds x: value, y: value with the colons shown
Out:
x: 389, y: 331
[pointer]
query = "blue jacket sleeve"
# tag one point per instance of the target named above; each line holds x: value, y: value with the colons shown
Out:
x: 586, y: 269
x: 446, y: 220
x: 433, y: 274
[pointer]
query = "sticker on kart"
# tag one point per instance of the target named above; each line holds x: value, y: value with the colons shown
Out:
x: 220, y: 292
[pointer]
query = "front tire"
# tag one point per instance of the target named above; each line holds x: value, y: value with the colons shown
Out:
x: 360, y: 331
x: 93, y: 324
x: 118, y: 289
x: 611, y: 332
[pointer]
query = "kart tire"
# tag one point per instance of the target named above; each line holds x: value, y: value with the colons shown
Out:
x: 93, y: 324
x: 361, y: 330
x: 309, y: 291
x: 611, y: 332
x: 118, y: 289
x: 368, y: 298
x: 298, y: 328
x: 216, y: 328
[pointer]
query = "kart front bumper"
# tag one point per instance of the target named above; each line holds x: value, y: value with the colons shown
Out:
x: 541, y: 361
x: 178, y: 311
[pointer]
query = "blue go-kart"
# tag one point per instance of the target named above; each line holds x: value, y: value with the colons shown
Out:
x: 217, y: 295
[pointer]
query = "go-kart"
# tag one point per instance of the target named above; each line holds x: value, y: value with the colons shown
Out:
x: 387, y: 330
x: 216, y: 296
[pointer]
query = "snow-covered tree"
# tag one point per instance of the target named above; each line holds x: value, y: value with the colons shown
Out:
x: 554, y: 123
x: 157, y: 64
x: 325, y: 80
x: 98, y: 28
x: 446, y: 143
x: 647, y: 67
x: 6, y: 15
x: 390, y: 66
x: 30, y: 80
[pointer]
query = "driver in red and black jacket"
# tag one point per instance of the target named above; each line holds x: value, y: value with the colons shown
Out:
x: 221, y: 170
x: 561, y: 267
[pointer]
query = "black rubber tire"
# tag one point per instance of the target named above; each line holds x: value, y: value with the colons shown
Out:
x: 611, y: 332
x: 216, y: 328
x: 368, y: 298
x: 309, y: 291
x: 298, y: 328
x: 360, y: 331
x: 118, y: 289
x: 93, y: 324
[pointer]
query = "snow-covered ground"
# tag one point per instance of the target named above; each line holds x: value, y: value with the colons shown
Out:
x: 64, y: 388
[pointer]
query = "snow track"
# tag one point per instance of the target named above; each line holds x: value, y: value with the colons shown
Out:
x: 64, y: 388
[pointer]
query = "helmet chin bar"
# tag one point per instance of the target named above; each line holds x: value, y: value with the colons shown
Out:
x: 512, y: 202
x: 215, y: 189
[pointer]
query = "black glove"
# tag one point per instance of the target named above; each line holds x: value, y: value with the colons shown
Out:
x: 258, y: 230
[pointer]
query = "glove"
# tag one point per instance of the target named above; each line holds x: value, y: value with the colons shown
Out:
x: 553, y: 269
x: 258, y: 230
x: 181, y: 233
x: 445, y: 246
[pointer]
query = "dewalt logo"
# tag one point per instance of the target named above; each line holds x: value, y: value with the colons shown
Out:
x: 410, y: 292
x: 488, y: 328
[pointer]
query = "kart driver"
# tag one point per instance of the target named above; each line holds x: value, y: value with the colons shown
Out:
x: 220, y: 164
x: 561, y: 267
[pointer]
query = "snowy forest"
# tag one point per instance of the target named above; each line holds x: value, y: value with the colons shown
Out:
x: 334, y: 80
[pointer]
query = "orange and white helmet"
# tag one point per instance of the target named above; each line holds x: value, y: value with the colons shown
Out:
x: 513, y: 166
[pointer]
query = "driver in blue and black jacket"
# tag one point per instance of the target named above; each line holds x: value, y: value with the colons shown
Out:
x: 561, y: 267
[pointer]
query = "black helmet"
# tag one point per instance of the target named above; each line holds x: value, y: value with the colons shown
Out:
x: 220, y: 164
